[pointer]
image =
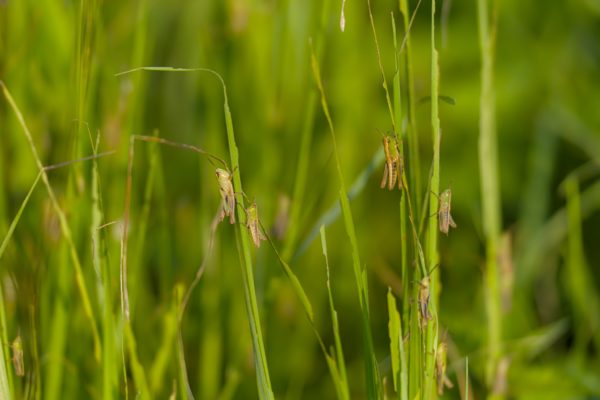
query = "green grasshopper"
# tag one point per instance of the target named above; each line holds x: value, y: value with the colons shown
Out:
x: 394, y: 164
x: 445, y: 220
x: 440, y: 368
x: 225, y: 179
x: 253, y: 224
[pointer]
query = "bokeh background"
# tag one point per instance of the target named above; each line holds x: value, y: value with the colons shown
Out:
x: 58, y: 59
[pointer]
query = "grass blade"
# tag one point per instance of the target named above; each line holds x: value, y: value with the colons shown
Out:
x: 371, y: 370
x: 433, y: 257
x: 489, y: 178
x: 341, y: 383
x: 6, y: 378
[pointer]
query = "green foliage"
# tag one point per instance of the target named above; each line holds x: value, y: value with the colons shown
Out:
x: 121, y: 280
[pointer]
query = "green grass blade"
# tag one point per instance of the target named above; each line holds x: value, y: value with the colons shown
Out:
x: 341, y: 382
x: 17, y: 217
x: 397, y: 352
x: 583, y: 295
x: 371, y: 370
x: 298, y: 289
x: 411, y: 128
x: 467, y: 379
x: 335, y: 210
x: 297, y: 204
x: 137, y: 370
x: 6, y: 378
x: 100, y: 262
x: 433, y: 257
x: 490, y: 194
x: 264, y: 381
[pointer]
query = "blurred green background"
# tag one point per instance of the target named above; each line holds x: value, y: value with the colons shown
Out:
x: 58, y: 59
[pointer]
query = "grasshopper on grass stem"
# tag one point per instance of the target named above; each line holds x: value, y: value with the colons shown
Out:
x: 228, y: 202
x: 394, y: 164
x: 440, y: 368
x: 17, y: 349
x: 445, y: 220
x: 424, y: 294
x: 225, y: 179
x: 253, y: 224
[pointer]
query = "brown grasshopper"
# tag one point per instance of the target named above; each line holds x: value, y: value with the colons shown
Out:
x: 225, y: 179
x: 440, y: 368
x: 445, y: 220
x: 424, y: 294
x: 394, y: 164
x: 17, y: 359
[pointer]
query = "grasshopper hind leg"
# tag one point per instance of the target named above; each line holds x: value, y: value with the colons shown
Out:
x: 385, y: 176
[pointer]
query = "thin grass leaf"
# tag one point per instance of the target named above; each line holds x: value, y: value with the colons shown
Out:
x: 6, y: 377
x: 583, y: 295
x: 371, y: 369
x: 397, y: 353
x: 17, y: 217
x: 137, y: 370
x: 335, y: 210
x: 467, y: 379
x: 412, y: 135
x: 64, y: 226
x: 301, y: 177
x: 433, y: 257
x: 341, y: 383
x: 105, y: 294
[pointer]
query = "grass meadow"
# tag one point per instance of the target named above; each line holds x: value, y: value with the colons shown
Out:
x: 285, y: 199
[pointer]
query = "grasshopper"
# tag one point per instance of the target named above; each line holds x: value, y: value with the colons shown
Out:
x: 394, y: 164
x: 227, y: 194
x: 424, y: 295
x: 17, y: 348
x: 444, y: 216
x: 440, y: 368
x: 253, y: 224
